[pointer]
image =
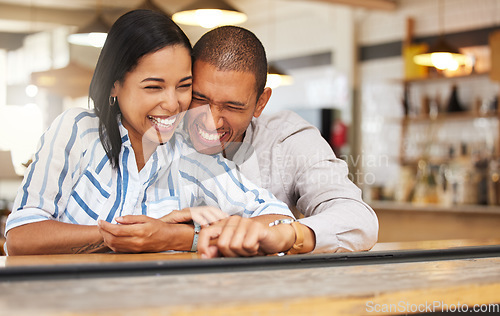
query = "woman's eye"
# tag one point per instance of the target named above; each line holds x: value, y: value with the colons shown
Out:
x: 187, y: 85
x: 152, y: 87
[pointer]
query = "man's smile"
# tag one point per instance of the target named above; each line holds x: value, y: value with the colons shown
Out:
x: 209, y: 136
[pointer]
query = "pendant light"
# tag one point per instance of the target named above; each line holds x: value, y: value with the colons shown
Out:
x: 441, y: 55
x: 209, y: 14
x: 93, y: 34
x: 276, y: 77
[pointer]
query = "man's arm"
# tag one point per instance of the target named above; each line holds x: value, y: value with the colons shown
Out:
x: 53, y: 237
x: 300, y: 168
x: 331, y: 203
x: 237, y: 236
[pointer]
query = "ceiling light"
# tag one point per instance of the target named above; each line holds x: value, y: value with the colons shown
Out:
x: 441, y: 56
x: 94, y: 34
x: 209, y: 14
x: 277, y: 78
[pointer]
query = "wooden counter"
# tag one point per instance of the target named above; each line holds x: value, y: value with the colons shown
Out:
x: 401, y: 222
x: 390, y: 288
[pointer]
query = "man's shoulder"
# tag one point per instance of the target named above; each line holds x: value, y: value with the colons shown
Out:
x: 280, y: 125
x: 277, y: 119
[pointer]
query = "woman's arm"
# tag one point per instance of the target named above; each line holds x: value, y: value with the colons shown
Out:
x: 34, y: 226
x: 140, y: 233
x: 53, y: 237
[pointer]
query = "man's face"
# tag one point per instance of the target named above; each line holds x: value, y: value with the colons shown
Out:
x: 232, y: 100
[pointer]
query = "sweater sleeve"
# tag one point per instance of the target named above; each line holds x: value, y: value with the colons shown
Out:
x: 319, y: 184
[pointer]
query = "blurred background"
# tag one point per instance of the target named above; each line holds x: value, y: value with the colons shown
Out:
x: 421, y: 140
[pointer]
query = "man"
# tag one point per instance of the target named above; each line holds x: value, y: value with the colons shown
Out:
x: 281, y: 153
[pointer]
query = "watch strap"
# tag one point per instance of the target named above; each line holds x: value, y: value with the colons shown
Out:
x: 299, y: 234
x: 299, y: 238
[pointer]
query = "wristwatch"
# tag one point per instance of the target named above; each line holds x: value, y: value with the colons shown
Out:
x: 197, y: 229
x: 299, y: 235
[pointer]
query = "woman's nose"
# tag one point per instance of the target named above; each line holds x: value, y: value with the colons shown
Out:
x: 170, y: 102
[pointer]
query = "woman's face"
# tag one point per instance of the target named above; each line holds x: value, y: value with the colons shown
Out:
x: 154, y: 95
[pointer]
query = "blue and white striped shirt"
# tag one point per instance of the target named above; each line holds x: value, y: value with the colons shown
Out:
x: 71, y: 179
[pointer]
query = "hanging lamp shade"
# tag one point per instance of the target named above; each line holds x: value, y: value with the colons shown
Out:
x: 72, y: 80
x: 441, y: 56
x: 93, y: 34
x: 209, y: 14
x: 150, y: 5
x: 276, y: 77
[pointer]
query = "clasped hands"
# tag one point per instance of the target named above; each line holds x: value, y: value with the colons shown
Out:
x: 221, y: 235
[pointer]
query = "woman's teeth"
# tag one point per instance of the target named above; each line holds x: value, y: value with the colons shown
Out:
x: 163, y: 122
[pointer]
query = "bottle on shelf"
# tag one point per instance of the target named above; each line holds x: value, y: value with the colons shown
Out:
x: 494, y: 182
x: 426, y: 188
x: 459, y: 176
x: 454, y: 104
x: 468, y: 175
x: 480, y: 178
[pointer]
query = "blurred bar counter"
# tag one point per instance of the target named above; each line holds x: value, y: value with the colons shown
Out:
x: 401, y: 222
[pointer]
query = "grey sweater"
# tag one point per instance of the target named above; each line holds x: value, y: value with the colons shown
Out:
x: 288, y: 156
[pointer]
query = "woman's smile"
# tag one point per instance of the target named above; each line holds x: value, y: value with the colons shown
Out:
x: 163, y: 124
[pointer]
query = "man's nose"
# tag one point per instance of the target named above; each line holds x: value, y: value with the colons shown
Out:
x: 215, y: 120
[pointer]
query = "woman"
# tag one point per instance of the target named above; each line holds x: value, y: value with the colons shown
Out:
x: 123, y: 162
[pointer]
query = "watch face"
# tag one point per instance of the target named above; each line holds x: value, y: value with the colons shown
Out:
x: 197, y: 228
x: 281, y: 221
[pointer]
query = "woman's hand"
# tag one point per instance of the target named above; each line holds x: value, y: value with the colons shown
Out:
x: 203, y: 215
x: 136, y: 233
x: 141, y: 233
x: 237, y: 236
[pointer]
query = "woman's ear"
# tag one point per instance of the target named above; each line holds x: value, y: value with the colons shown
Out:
x: 262, y: 101
x: 114, y: 89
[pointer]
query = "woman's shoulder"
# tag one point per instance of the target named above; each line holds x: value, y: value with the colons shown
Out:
x: 82, y: 118
x: 75, y: 122
x: 77, y: 114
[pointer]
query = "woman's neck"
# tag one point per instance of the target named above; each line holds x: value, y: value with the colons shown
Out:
x: 143, y: 152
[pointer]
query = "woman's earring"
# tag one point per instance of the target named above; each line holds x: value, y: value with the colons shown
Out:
x: 112, y: 100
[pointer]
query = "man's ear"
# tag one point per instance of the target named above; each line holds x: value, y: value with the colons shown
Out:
x: 262, y: 101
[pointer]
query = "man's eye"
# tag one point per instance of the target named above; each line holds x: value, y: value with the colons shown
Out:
x: 233, y: 108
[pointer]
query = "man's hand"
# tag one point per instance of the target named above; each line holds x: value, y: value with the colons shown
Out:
x: 237, y: 236
x: 203, y: 215
x: 135, y: 233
